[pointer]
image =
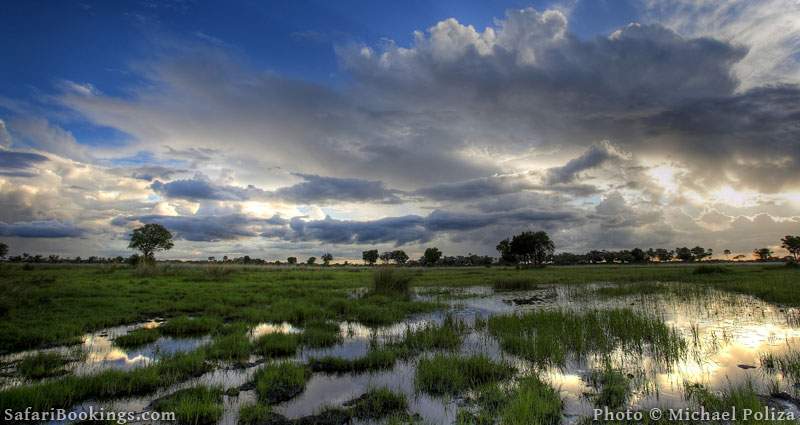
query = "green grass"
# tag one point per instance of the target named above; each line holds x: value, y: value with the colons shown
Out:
x: 42, y: 365
x: 193, y: 406
x: 787, y: 363
x: 548, y: 337
x: 451, y: 374
x: 233, y: 347
x: 515, y: 283
x: 320, y: 335
x: 374, y: 360
x: 446, y: 336
x: 69, y: 390
x: 257, y: 414
x: 277, y: 345
x: 612, y: 388
x: 190, y: 326
x: 50, y: 305
x: 740, y: 397
x: 710, y: 269
x: 138, y: 338
x: 389, y: 281
x: 280, y: 382
x: 378, y: 403
x: 533, y: 402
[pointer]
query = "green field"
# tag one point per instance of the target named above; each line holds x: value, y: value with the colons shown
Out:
x: 46, y: 306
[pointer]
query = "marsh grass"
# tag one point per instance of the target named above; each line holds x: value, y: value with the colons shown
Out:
x: 547, y: 337
x: 257, y: 414
x: 69, y: 390
x: 280, y: 382
x: 277, y: 345
x: 137, y: 338
x: 741, y: 397
x: 42, y: 365
x: 644, y: 289
x: 378, y: 403
x: 374, y: 360
x: 446, y: 336
x: 451, y: 374
x: 193, y: 406
x: 233, y: 347
x: 392, y: 282
x: 612, y: 387
x: 787, y: 363
x: 320, y: 335
x: 515, y: 283
x: 710, y: 269
x: 533, y: 402
x: 190, y: 326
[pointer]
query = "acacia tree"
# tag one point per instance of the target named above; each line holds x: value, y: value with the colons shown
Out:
x: 399, y: 256
x: 791, y: 244
x: 431, y: 256
x: 727, y: 253
x: 327, y: 258
x: 150, y: 239
x: 311, y: 261
x: 504, y: 248
x: 291, y: 260
x: 386, y: 256
x: 762, y: 254
x: 3, y: 250
x: 532, y: 247
x: 370, y: 256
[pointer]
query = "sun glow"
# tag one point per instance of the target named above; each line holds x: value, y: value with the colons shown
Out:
x: 665, y: 175
x: 730, y: 196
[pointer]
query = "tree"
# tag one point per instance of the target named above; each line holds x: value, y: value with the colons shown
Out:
x: 386, y: 256
x: 684, y: 254
x: 399, y: 256
x: 311, y: 261
x: 532, y: 247
x: 762, y: 254
x: 790, y: 243
x: 327, y: 258
x: 150, y: 239
x: 727, y: 253
x: 370, y: 256
x: 698, y: 253
x: 3, y: 250
x: 291, y: 260
x: 638, y: 255
x: 664, y: 255
x: 504, y: 248
x: 431, y: 256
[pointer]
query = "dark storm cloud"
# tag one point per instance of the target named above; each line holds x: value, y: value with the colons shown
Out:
x: 209, y: 228
x: 479, y: 188
x: 593, y: 157
x: 316, y: 188
x: 200, y: 189
x: 40, y: 229
x: 15, y: 164
x: 150, y: 173
x: 400, y: 230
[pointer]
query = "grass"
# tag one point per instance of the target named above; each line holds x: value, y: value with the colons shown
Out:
x: 190, y: 326
x: 69, y: 390
x: 233, y: 347
x: 137, y: 338
x: 612, y: 387
x: 277, y: 345
x: 548, y: 337
x: 451, y: 374
x: 42, y: 365
x: 320, y: 335
x: 534, y: 402
x: 193, y: 406
x: 280, y: 382
x: 787, y: 363
x: 378, y: 403
x: 388, y: 281
x: 374, y: 360
x: 446, y: 336
x: 257, y: 414
x: 740, y: 397
x: 515, y: 283
x: 710, y: 269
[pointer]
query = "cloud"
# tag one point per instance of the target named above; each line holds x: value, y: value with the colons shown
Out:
x: 17, y: 164
x: 316, y: 189
x: 209, y: 228
x: 399, y: 230
x: 40, y: 229
x: 200, y: 189
x: 595, y: 156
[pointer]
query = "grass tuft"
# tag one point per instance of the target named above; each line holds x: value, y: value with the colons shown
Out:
x: 190, y: 326
x: 450, y: 374
x: 277, y: 345
x: 374, y: 360
x: 388, y: 281
x: 137, y: 338
x: 515, y: 283
x: 280, y: 382
x: 710, y: 269
x: 42, y: 365
x: 193, y: 406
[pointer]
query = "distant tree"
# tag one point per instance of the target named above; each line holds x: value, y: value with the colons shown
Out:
x: 790, y: 243
x: 532, y: 247
x: 431, y: 256
x: 212, y: 259
x: 150, y: 239
x: 370, y: 256
x: 504, y: 248
x: 327, y: 258
x: 727, y: 253
x: 399, y: 256
x: 664, y: 255
x: 698, y: 253
x: 762, y: 254
x: 684, y: 254
x: 311, y: 261
x: 386, y: 256
x: 3, y: 250
x: 291, y: 260
x: 739, y: 257
x: 638, y: 255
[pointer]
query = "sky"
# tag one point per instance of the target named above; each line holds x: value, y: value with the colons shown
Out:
x: 275, y: 129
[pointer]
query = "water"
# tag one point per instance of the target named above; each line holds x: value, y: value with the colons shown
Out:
x: 726, y: 335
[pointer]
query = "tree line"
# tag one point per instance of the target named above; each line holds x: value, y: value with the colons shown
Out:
x: 526, y: 248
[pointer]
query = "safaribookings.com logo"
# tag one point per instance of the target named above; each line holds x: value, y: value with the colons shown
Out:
x: 695, y: 415
x: 90, y: 414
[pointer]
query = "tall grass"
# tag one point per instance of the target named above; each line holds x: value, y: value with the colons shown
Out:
x: 138, y: 338
x: 280, y: 382
x: 515, y: 283
x: 534, y: 402
x: 451, y: 374
x: 190, y: 326
x: 42, y: 365
x: 547, y: 337
x: 446, y: 336
x: 193, y: 406
x: 612, y: 387
x: 374, y: 360
x: 388, y: 281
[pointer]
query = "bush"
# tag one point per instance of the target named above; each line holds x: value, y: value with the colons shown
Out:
x: 708, y: 269
x: 388, y: 281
